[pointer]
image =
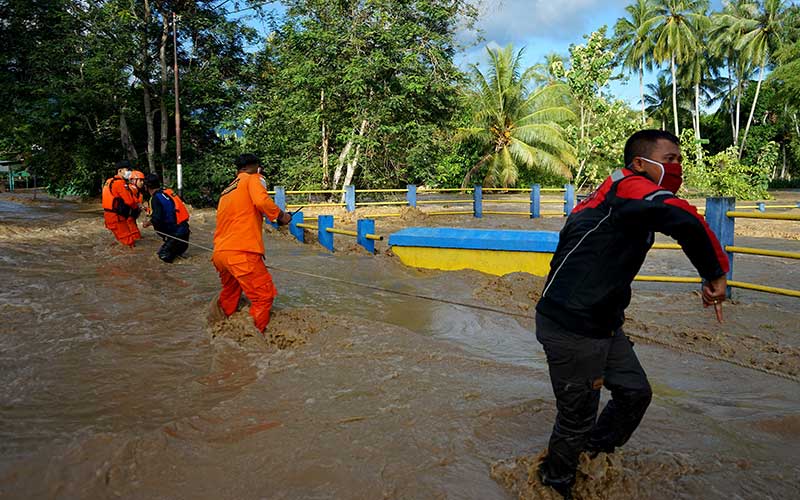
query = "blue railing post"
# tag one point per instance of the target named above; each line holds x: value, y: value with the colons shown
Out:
x: 722, y: 225
x: 280, y: 197
x: 325, y: 238
x: 536, y: 201
x: 477, y: 202
x: 297, y: 232
x: 365, y: 227
x: 569, y: 198
x: 411, y: 195
x: 762, y: 207
x: 350, y: 198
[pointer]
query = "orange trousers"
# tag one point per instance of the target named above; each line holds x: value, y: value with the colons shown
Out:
x: 134, y: 228
x: 122, y: 228
x: 245, y: 271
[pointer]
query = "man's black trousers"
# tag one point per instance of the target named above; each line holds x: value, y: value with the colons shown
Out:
x: 579, y: 366
x: 172, y: 248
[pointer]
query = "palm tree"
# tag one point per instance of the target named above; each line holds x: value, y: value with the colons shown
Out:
x: 517, y: 128
x: 762, y: 33
x: 675, y: 38
x: 542, y: 73
x: 698, y: 67
x: 635, y: 46
x: 724, y: 38
x: 659, y: 99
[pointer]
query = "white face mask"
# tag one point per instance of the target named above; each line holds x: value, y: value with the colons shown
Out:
x: 126, y: 175
x: 660, y: 179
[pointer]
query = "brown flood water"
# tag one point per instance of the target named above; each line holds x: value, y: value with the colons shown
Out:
x: 112, y: 384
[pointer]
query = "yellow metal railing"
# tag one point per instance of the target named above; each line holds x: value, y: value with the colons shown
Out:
x: 371, y: 203
x: 345, y: 232
x: 312, y: 205
x: 764, y: 252
x: 750, y: 215
x: 440, y: 202
x: 493, y: 212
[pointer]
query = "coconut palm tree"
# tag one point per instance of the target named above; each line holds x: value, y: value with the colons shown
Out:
x: 762, y: 32
x: 699, y: 66
x: 723, y: 40
x: 675, y: 39
x: 516, y: 127
x: 635, y: 45
x: 659, y: 100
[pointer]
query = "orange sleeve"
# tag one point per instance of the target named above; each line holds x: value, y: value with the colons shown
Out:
x: 121, y: 190
x: 262, y: 201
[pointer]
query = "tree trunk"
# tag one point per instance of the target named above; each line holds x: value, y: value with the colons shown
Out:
x: 674, y: 95
x: 325, y: 169
x: 151, y: 134
x: 738, y: 113
x: 783, y: 167
x: 337, y: 174
x: 474, y: 170
x: 351, y: 166
x: 641, y: 90
x: 125, y: 137
x: 162, y: 50
x: 144, y: 76
x: 697, y: 110
x: 752, y: 109
x: 730, y: 102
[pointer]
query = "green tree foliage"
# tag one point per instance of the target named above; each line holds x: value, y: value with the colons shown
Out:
x: 356, y: 92
x: 604, y: 123
x: 635, y: 46
x: 515, y: 126
x: 675, y: 37
x: 761, y: 31
x: 723, y: 174
x: 89, y: 83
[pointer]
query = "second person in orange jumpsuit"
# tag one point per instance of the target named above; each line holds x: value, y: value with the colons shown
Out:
x: 136, y: 185
x: 118, y: 205
x: 238, y: 242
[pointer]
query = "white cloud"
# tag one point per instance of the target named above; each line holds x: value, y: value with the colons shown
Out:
x: 507, y: 21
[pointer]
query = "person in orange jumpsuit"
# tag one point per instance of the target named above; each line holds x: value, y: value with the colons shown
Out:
x: 119, y: 204
x: 136, y: 185
x: 239, y: 246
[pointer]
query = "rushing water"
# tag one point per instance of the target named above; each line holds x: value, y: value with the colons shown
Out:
x: 110, y: 384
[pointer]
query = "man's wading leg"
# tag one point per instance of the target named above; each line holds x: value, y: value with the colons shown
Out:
x: 630, y: 397
x: 576, y: 364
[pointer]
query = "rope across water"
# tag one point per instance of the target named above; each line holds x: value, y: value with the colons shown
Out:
x: 652, y: 340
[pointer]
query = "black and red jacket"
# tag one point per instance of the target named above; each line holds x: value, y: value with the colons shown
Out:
x: 604, y: 243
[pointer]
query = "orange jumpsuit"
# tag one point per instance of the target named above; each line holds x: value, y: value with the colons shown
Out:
x: 117, y: 187
x: 239, y: 247
x: 138, y: 198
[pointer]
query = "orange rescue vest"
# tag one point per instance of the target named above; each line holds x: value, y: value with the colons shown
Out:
x: 181, y: 214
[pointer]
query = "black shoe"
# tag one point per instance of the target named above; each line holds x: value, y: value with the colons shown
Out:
x: 563, y: 488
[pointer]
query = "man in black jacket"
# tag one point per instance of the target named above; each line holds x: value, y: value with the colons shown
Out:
x: 580, y: 315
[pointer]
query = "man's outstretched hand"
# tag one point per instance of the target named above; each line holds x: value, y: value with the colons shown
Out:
x: 714, y: 292
x: 284, y: 218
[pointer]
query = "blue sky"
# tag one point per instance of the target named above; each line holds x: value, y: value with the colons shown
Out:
x: 545, y: 26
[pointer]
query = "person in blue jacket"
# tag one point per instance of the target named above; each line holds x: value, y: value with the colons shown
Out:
x: 169, y: 217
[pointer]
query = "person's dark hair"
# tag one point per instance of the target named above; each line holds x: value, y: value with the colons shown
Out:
x: 246, y: 159
x: 123, y: 164
x: 152, y: 181
x: 641, y: 143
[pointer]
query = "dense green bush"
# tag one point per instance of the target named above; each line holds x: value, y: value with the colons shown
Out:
x: 723, y: 174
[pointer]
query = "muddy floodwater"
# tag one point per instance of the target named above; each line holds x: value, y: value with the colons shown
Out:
x: 112, y: 384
